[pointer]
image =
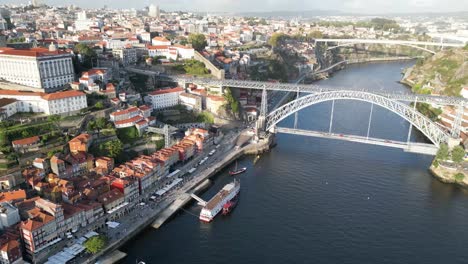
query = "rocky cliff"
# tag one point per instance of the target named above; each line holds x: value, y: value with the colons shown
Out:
x: 444, y: 73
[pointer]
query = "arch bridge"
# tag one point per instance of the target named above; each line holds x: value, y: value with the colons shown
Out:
x: 435, y: 133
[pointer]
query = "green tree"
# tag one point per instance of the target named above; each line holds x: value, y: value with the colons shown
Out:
x: 459, y: 177
x: 113, y: 148
x: 99, y: 105
x: 458, y: 153
x: 276, y: 39
x: 91, y: 125
x: 443, y: 152
x: 55, y: 119
x: 232, y: 101
x: 101, y: 123
x: 198, y: 41
x: 95, y: 244
x: 315, y: 35
x: 87, y: 54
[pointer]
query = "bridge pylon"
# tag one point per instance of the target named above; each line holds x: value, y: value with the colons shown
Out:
x: 261, y: 121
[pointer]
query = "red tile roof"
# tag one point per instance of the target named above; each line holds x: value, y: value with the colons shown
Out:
x: 165, y: 91
x: 125, y: 111
x: 32, y: 52
x: 61, y: 95
x: 130, y: 120
x: 26, y: 141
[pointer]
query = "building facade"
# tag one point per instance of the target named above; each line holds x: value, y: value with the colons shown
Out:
x: 48, y: 69
x: 165, y: 98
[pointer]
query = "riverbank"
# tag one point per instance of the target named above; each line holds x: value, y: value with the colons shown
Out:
x: 165, y: 210
x: 446, y: 174
x: 321, y: 74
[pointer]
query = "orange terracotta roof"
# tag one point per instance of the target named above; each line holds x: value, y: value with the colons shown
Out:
x: 12, y: 196
x: 165, y: 91
x: 129, y: 120
x: 61, y: 95
x: 125, y: 111
x: 32, y: 52
x: 159, y: 47
x: 26, y: 141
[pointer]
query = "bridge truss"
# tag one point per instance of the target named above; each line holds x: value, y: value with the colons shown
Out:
x: 431, y: 130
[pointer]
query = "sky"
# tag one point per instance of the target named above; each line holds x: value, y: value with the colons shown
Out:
x: 356, y: 6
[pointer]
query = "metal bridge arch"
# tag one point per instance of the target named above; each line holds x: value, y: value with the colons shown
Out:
x: 430, y: 129
x: 406, y: 45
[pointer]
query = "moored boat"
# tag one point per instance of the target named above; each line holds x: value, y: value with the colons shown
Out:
x: 229, y: 206
x: 216, y: 204
x: 237, y: 171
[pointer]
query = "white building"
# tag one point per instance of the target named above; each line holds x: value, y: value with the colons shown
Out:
x: 160, y: 41
x: 8, y: 107
x: 191, y: 101
x: 166, y: 51
x: 153, y: 11
x: 126, y: 56
x: 43, y: 68
x: 165, y: 98
x: 82, y: 22
x: 9, y: 215
x: 68, y: 102
x: 120, y: 43
x: 89, y: 78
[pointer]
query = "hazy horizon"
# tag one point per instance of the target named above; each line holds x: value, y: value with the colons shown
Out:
x: 236, y: 6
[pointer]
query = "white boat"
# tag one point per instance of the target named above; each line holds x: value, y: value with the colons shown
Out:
x: 215, y: 205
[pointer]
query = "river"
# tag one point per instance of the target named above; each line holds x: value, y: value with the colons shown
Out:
x: 315, y: 200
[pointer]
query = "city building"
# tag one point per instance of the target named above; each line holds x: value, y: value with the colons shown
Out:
x: 9, y: 215
x: 191, y: 101
x: 126, y: 55
x: 214, y: 103
x: 80, y: 143
x: 26, y: 144
x: 67, y: 102
x: 44, y: 225
x: 93, y: 78
x: 153, y: 11
x: 48, y: 69
x: 160, y: 41
x: 8, y: 107
x: 165, y: 98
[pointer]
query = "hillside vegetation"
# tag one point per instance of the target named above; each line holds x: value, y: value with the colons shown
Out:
x: 444, y: 73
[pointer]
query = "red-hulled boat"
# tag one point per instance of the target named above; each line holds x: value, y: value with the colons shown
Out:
x: 227, y: 207
x: 237, y: 171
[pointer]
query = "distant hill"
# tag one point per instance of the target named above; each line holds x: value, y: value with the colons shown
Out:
x: 444, y: 73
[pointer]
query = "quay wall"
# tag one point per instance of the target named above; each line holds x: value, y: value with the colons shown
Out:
x: 208, y: 173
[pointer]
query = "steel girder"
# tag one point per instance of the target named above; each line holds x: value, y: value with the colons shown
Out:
x: 436, y: 134
x: 308, y: 88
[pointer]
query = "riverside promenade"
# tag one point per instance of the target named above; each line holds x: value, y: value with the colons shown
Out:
x: 156, y: 213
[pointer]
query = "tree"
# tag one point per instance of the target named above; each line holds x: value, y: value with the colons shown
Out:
x: 443, y: 152
x: 95, y: 244
x: 198, y: 41
x: 315, y: 35
x: 458, y: 153
x: 99, y: 105
x: 91, y: 125
x: 87, y: 54
x: 232, y: 101
x: 459, y: 177
x: 113, y: 148
x: 276, y: 39
x: 100, y: 124
x: 55, y: 119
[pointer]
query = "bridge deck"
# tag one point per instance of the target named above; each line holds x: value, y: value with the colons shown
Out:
x: 421, y: 148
